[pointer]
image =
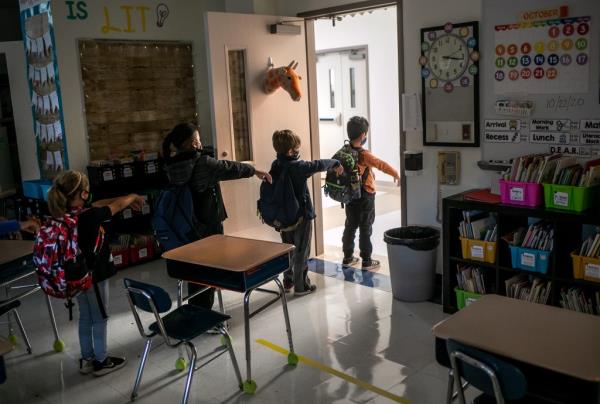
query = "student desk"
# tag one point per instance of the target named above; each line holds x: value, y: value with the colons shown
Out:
x: 561, y: 345
x: 15, y: 256
x: 236, y: 264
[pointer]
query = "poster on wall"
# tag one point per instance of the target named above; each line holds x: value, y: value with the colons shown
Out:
x: 543, y: 57
x: 44, y: 86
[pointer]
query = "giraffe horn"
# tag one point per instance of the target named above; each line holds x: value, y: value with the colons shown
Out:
x: 294, y: 67
x: 290, y: 65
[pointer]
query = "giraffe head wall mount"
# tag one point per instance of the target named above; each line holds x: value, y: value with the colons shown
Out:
x: 284, y: 77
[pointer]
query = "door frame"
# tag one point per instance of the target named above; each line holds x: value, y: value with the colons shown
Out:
x: 311, y: 59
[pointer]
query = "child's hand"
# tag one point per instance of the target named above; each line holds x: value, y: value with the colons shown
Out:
x: 30, y: 226
x: 137, y: 203
x: 263, y: 175
x: 339, y: 170
x: 397, y: 180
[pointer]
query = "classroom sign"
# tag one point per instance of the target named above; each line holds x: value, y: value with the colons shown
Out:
x: 550, y: 137
x: 549, y: 124
x: 502, y: 131
x: 543, y: 57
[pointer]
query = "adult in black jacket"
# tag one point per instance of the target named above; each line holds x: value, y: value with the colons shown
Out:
x: 186, y: 165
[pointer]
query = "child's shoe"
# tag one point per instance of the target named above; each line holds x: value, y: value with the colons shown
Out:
x: 370, y: 264
x: 349, y: 261
x: 86, y: 366
x: 288, y: 285
x: 110, y: 364
x: 308, y: 289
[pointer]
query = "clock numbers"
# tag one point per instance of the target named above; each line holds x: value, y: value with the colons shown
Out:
x: 582, y: 59
x: 581, y: 44
x: 553, y: 59
x: 538, y: 73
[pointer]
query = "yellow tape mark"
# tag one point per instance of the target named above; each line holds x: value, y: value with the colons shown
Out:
x: 335, y: 372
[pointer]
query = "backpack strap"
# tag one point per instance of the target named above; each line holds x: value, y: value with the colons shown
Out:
x: 187, y: 219
x: 100, y: 302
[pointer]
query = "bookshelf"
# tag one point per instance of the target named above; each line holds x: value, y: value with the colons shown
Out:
x: 567, y: 237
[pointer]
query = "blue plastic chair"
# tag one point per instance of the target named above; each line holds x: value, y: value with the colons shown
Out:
x: 177, y: 327
x: 494, y: 377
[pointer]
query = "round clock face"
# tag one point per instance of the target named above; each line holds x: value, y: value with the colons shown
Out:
x: 448, y: 57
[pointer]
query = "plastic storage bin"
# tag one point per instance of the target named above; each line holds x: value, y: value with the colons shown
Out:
x: 478, y: 250
x: 530, y: 259
x: 142, y: 253
x: 521, y: 193
x: 576, y: 199
x: 120, y: 257
x: 37, y: 189
x: 464, y: 298
x: 587, y: 268
x: 102, y: 175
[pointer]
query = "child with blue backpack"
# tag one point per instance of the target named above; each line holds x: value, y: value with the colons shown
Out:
x: 287, y: 145
x: 188, y: 166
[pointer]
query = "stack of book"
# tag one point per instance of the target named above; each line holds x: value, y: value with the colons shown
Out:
x: 535, y: 291
x: 470, y: 279
x: 591, y: 247
x: 538, y: 236
x: 576, y: 300
x: 532, y: 168
x: 478, y: 225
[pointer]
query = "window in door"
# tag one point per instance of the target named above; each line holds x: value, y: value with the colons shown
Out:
x: 239, y: 106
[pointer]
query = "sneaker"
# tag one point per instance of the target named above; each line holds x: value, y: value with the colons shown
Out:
x: 307, y: 290
x: 86, y: 366
x: 288, y: 285
x: 350, y: 261
x: 110, y: 364
x: 370, y: 264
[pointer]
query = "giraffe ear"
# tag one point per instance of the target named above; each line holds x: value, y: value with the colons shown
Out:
x: 299, y: 77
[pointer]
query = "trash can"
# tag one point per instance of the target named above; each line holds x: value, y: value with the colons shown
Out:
x: 412, y: 252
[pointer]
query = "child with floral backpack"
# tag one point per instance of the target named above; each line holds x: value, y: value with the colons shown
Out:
x: 72, y: 259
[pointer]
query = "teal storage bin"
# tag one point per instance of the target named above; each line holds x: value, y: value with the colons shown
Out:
x: 529, y: 259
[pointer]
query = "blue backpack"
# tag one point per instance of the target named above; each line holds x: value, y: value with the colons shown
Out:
x: 278, y: 205
x: 174, y: 221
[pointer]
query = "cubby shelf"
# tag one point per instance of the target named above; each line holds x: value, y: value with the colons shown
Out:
x: 567, y: 227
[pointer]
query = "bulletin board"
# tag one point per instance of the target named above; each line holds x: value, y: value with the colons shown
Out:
x: 540, y: 78
x: 134, y: 92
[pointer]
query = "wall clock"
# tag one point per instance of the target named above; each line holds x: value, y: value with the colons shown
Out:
x: 450, y: 84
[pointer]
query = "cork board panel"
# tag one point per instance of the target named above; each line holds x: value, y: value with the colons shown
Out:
x: 134, y: 92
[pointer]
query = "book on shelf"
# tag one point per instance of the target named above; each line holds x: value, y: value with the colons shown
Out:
x: 537, y: 236
x: 521, y: 287
x: 576, y: 299
x: 477, y: 225
x: 591, y: 247
x: 470, y: 279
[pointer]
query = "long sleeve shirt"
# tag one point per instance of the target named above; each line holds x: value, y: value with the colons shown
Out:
x: 368, y: 159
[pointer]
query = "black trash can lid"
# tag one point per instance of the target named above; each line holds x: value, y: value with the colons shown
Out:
x: 416, y: 237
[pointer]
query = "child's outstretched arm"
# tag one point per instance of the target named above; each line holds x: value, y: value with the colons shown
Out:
x: 118, y: 204
x: 371, y: 161
x: 316, y: 166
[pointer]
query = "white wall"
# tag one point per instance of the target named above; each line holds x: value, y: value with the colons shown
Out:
x: 378, y: 32
x: 21, y: 103
x: 185, y: 22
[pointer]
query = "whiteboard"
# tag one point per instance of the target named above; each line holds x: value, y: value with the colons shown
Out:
x: 552, y: 62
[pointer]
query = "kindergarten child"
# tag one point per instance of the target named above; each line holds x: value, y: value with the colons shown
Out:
x: 360, y: 213
x: 287, y: 145
x: 69, y: 202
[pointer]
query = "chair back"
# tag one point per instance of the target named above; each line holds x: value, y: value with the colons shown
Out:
x: 142, y: 294
x: 512, y: 381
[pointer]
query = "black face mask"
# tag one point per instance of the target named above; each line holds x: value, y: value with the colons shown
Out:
x: 88, y: 201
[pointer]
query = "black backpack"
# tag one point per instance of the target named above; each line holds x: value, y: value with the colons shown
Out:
x: 278, y: 205
x: 347, y: 187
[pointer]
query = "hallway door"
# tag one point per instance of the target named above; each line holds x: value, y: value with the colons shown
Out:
x: 342, y: 92
x: 244, y: 116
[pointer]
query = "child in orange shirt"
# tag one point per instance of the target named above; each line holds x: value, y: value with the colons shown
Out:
x: 360, y: 213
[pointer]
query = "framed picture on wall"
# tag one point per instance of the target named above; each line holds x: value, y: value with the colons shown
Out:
x: 450, y: 84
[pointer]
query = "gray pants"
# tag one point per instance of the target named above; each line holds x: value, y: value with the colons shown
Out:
x: 298, y: 272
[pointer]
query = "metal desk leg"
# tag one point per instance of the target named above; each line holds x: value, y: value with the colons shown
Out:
x: 180, y: 362
x: 249, y: 384
x: 179, y: 293
x: 59, y: 345
x: 292, y: 357
x: 222, y: 308
x: 12, y: 338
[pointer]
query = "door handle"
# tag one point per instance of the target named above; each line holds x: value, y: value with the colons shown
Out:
x: 339, y: 119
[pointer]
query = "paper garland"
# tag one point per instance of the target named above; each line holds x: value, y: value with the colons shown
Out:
x: 37, y: 28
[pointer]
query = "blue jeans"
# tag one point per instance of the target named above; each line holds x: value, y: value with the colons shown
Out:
x: 92, y: 327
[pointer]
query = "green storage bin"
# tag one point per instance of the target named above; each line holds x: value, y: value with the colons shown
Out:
x: 464, y: 298
x: 567, y: 197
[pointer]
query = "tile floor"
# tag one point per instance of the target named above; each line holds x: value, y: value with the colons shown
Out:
x: 361, y: 331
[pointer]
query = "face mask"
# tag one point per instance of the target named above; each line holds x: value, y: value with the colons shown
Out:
x: 88, y: 201
x: 363, y: 142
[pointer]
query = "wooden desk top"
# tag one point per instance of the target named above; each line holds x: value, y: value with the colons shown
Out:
x: 11, y: 250
x: 549, y: 337
x: 5, y: 347
x: 228, y: 253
